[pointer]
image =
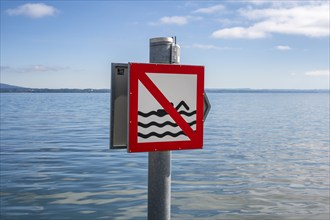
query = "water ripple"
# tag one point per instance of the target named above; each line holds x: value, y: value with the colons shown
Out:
x: 265, y: 156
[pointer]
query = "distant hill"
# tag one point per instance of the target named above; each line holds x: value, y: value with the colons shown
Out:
x: 6, y: 88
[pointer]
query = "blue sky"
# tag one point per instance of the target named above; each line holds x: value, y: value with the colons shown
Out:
x: 242, y: 44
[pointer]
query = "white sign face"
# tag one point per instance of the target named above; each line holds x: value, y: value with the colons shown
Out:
x: 166, y: 106
x: 154, y: 123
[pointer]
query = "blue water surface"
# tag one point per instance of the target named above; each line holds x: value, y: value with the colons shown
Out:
x: 265, y: 156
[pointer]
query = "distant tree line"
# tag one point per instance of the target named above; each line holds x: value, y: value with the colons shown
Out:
x: 28, y: 90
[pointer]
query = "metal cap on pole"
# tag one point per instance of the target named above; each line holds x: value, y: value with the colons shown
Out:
x: 162, y: 50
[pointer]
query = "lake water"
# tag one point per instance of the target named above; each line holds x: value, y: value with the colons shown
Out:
x: 265, y: 156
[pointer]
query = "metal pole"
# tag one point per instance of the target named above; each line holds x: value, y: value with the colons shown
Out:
x: 159, y: 185
x: 162, y: 50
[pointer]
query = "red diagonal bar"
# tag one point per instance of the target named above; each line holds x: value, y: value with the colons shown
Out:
x: 168, y: 107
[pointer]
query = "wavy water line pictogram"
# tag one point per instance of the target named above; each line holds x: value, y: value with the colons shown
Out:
x: 160, y: 125
x: 162, y: 112
x: 167, y: 133
x: 159, y: 113
x: 187, y: 113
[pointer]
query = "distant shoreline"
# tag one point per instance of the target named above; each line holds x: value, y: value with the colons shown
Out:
x: 54, y: 90
x: 267, y: 90
x: 5, y: 88
x: 207, y: 91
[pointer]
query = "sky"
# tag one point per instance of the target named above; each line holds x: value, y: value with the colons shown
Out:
x: 242, y: 44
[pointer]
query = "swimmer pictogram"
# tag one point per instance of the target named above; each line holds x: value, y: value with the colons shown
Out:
x: 159, y: 113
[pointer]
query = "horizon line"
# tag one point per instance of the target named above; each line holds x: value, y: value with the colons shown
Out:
x: 210, y: 88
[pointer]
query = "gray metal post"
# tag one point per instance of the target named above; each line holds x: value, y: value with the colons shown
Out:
x: 162, y: 50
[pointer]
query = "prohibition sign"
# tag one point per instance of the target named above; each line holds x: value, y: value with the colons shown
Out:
x: 143, y: 75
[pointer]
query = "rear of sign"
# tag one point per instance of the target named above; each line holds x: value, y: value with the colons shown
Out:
x: 119, y: 105
x: 166, y: 107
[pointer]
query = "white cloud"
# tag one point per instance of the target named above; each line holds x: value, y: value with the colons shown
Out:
x: 318, y: 73
x: 311, y: 20
x: 225, y: 22
x: 175, y: 20
x: 283, y: 47
x: 203, y: 46
x: 32, y: 69
x: 239, y: 32
x: 33, y: 10
x: 209, y: 47
x: 178, y: 20
x: 257, y: 2
x: 42, y: 68
x: 210, y: 10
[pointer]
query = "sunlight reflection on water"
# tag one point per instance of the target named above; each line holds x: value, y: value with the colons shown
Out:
x: 265, y: 156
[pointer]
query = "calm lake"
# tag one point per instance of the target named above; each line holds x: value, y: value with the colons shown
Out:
x: 265, y: 156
